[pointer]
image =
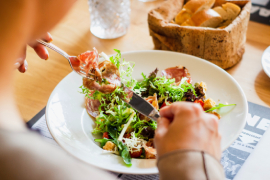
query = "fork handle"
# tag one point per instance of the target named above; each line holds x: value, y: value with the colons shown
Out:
x: 53, y: 47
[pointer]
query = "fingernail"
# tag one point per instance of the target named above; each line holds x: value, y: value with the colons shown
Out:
x: 25, y: 65
x: 47, y: 54
x: 16, y: 65
x: 51, y: 39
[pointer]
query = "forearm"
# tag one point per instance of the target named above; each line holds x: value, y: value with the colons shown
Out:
x: 189, y: 165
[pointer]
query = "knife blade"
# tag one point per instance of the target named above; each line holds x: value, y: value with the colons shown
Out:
x: 140, y: 104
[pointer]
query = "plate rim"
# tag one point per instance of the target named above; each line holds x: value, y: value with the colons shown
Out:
x: 262, y: 61
x: 152, y: 51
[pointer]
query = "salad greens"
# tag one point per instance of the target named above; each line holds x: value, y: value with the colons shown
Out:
x: 119, y: 120
x: 219, y: 106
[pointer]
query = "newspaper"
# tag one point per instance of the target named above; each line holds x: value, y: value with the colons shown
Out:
x: 257, y: 122
x: 260, y: 11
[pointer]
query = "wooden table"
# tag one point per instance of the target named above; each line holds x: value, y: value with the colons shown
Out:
x: 33, y: 88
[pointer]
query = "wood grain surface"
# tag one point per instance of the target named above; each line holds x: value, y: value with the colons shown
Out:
x: 33, y: 88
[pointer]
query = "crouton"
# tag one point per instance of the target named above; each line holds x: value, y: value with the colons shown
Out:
x: 208, y: 104
x: 203, y: 85
x: 109, y: 146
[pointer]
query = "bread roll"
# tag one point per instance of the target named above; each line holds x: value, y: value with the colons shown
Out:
x: 205, y: 18
x: 192, y: 7
x: 239, y: 3
x: 228, y: 12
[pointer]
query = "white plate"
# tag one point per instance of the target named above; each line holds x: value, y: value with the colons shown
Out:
x: 266, y: 61
x: 71, y: 126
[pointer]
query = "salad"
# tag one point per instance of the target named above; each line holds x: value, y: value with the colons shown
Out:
x: 125, y: 131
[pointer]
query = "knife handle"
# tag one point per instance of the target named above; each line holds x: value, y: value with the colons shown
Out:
x: 154, y: 115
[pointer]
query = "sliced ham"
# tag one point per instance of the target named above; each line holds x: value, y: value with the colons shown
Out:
x: 129, y: 94
x: 92, y: 106
x: 177, y: 72
x: 150, y: 151
x: 110, y: 74
x: 90, y: 60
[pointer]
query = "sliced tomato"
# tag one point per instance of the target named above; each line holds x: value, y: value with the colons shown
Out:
x: 106, y: 135
x: 163, y: 105
x: 127, y: 135
x: 136, y: 154
x: 200, y: 102
x: 189, y: 80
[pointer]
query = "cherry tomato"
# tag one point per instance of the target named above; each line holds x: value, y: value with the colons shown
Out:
x: 189, y: 80
x: 164, y: 104
x: 127, y: 135
x: 199, y: 101
x: 136, y: 154
x: 106, y: 135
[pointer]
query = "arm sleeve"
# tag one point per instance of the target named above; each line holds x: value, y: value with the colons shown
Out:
x: 189, y: 165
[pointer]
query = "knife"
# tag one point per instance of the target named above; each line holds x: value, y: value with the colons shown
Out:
x: 140, y: 104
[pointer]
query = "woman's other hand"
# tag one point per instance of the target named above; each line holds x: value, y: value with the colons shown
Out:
x: 42, y: 52
x: 185, y: 126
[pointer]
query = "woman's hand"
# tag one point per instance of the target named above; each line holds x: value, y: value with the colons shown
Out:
x: 185, y: 126
x: 42, y: 52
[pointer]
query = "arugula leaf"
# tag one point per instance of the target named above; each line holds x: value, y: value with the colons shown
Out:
x: 102, y: 141
x: 219, y: 106
x: 125, y: 154
x: 113, y: 132
x: 123, y: 150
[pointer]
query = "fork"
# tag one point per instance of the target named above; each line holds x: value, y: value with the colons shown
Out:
x: 74, y: 63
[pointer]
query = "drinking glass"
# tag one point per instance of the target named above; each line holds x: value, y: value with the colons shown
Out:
x: 109, y: 18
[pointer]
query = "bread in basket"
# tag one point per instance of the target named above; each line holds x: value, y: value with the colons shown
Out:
x: 223, y: 46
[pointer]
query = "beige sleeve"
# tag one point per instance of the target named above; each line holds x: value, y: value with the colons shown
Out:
x: 189, y: 165
x: 25, y: 156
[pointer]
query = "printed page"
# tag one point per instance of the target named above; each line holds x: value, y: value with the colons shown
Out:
x: 260, y: 11
x: 257, y: 122
x: 139, y: 177
x: 260, y: 2
x: 41, y: 126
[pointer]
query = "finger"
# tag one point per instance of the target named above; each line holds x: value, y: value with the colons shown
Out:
x: 170, y: 111
x: 23, y: 67
x: 20, y: 60
x: 17, y: 65
x: 211, y: 122
x: 162, y: 127
x: 41, y: 51
x: 47, y: 37
x: 167, y: 112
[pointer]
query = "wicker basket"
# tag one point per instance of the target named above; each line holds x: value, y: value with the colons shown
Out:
x: 223, y: 47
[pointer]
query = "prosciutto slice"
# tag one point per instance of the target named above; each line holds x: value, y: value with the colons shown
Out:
x: 92, y: 106
x: 110, y: 78
x: 177, y: 72
x: 150, y: 151
x: 90, y: 60
x: 105, y: 76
